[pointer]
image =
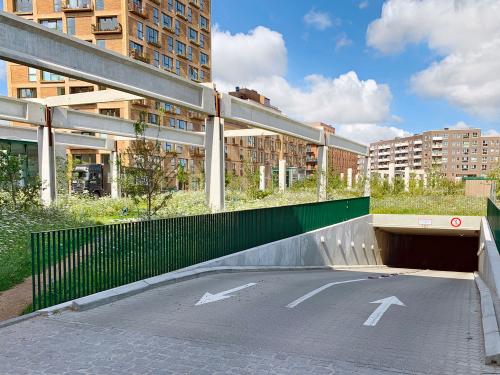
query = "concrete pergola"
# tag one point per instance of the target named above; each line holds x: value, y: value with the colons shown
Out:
x: 59, y: 53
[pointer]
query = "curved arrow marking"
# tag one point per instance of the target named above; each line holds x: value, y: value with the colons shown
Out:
x: 209, y: 297
x: 385, y: 303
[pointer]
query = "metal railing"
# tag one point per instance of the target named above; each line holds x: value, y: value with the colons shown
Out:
x: 493, y: 217
x: 72, y: 263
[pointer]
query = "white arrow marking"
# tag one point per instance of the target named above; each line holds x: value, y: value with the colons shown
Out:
x: 379, y: 311
x: 209, y: 297
x: 320, y: 289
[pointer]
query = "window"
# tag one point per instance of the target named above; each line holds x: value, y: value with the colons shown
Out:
x: 181, y: 124
x: 110, y: 24
x: 202, y: 76
x: 101, y: 43
x: 48, y: 76
x: 57, y: 5
x: 202, y: 5
x: 26, y: 93
x: 151, y: 35
x: 171, y: 5
x: 153, y: 118
x: 177, y: 28
x: 167, y: 21
x: 203, y: 58
x: 23, y: 6
x: 156, y: 19
x: 31, y: 74
x: 190, y: 15
x: 180, y: 8
x: 156, y: 59
x: 168, y: 62
x: 203, y: 23
x: 61, y: 91
x: 135, y: 47
x: 193, y: 34
x: 113, y: 112
x: 55, y: 24
x: 177, y: 67
x: 172, y: 122
x: 170, y: 43
x: 181, y: 48
x: 193, y: 73
x: 99, y: 4
x: 168, y: 147
x: 190, y: 53
x: 179, y: 149
x: 140, y: 32
x: 70, y: 25
x: 78, y: 90
x: 202, y: 40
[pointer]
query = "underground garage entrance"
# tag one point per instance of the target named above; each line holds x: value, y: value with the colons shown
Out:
x: 434, y: 247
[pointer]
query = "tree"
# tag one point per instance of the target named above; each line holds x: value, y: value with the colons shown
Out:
x: 22, y: 192
x: 145, y: 173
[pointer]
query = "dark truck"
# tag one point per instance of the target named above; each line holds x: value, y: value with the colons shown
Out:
x: 90, y: 179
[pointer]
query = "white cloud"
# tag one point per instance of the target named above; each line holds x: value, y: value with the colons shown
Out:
x: 342, y: 41
x: 319, y: 20
x: 368, y: 133
x: 258, y: 60
x: 466, y: 33
x: 460, y: 125
x: 492, y: 133
x: 363, y: 4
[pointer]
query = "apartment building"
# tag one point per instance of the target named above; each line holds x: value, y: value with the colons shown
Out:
x: 455, y: 153
x: 173, y: 35
x: 339, y: 161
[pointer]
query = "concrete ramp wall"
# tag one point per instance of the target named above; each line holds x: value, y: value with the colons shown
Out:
x: 351, y: 243
x: 489, y: 259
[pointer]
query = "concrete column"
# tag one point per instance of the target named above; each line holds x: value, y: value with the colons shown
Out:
x: 425, y: 179
x: 391, y: 173
x: 47, y: 165
x: 367, y: 176
x: 262, y: 177
x: 322, y: 172
x: 214, y: 163
x: 342, y: 177
x: 407, y: 179
x: 282, y: 175
x: 349, y: 178
x: 115, y: 175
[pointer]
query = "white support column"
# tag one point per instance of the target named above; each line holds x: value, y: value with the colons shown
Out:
x: 115, y: 175
x: 367, y: 176
x: 342, y: 177
x: 407, y: 179
x: 391, y: 173
x: 262, y: 177
x: 322, y: 172
x: 282, y: 175
x: 425, y: 179
x: 349, y: 178
x: 47, y: 165
x: 214, y: 163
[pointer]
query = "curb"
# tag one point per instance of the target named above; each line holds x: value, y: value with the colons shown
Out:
x: 491, y: 332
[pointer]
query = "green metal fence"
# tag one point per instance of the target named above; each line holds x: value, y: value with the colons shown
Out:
x: 72, y: 263
x: 493, y: 217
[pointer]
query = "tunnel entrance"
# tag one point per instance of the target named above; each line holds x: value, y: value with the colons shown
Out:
x: 429, y: 251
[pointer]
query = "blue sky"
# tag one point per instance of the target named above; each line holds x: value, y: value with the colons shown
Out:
x: 404, y: 77
x: 312, y: 49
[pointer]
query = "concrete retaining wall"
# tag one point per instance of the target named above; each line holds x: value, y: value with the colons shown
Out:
x: 349, y: 243
x: 489, y: 259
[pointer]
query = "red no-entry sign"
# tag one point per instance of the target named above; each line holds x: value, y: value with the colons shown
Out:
x: 456, y: 222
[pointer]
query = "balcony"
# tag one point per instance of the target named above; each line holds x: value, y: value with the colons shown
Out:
x: 194, y: 3
x: 437, y: 145
x: 140, y: 103
x: 181, y: 15
x: 69, y: 6
x: 182, y: 55
x: 139, y: 55
x: 194, y: 41
x: 101, y: 28
x: 137, y: 9
x: 311, y: 160
x: 169, y: 29
x: 154, y: 43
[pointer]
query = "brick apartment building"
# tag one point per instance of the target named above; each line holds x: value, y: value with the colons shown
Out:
x: 170, y: 34
x: 455, y: 153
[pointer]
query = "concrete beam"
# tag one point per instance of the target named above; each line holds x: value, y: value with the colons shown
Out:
x: 21, y: 111
x: 90, y: 122
x: 245, y: 112
x: 29, y: 134
x: 100, y: 96
x: 247, y: 133
x: 342, y: 143
x: 28, y: 43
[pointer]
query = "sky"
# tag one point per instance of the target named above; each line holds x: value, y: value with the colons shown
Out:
x: 374, y: 69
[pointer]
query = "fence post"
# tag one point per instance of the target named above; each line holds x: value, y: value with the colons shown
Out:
x: 115, y: 175
x: 322, y: 171
x: 262, y: 177
x: 214, y: 163
x: 282, y: 175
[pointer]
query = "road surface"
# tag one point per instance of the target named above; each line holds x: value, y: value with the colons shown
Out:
x: 302, y: 322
